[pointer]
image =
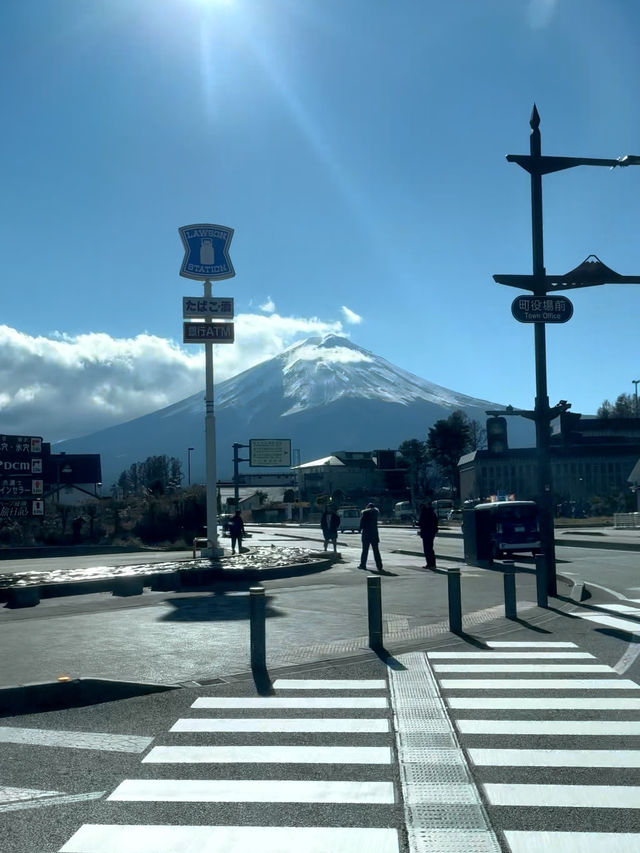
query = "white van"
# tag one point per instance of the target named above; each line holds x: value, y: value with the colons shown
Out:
x: 404, y: 511
x: 349, y: 519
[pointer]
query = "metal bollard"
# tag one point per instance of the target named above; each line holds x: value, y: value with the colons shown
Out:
x: 374, y: 607
x: 257, y: 628
x: 541, y: 580
x: 510, y: 607
x: 455, y: 601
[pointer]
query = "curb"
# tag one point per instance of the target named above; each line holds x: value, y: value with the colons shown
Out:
x: 125, y: 584
x: 56, y: 695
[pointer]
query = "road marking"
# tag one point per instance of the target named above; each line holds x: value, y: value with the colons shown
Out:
x: 564, y: 796
x: 101, y: 838
x: 59, y: 800
x: 521, y: 667
x: 555, y: 757
x: 74, y: 740
x: 252, y: 791
x: 281, y: 724
x: 545, y: 703
x: 550, y: 727
x: 13, y: 795
x: 538, y: 684
x: 497, y: 655
x: 611, y: 622
x: 329, y: 684
x: 520, y: 841
x: 542, y: 644
x: 269, y: 755
x: 619, y: 608
x: 277, y: 702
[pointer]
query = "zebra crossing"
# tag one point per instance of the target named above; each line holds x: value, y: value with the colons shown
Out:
x: 310, y: 768
x: 557, y: 759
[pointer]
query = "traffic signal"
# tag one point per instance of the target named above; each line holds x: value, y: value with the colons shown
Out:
x: 497, y: 441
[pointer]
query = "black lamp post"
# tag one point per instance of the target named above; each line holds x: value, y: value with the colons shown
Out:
x: 189, y: 451
x: 589, y: 273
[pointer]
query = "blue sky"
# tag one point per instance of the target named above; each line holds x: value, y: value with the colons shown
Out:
x: 357, y: 147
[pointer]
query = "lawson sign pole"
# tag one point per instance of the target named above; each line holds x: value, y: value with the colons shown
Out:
x: 207, y: 259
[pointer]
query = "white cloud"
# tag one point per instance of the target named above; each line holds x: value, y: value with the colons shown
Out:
x: 540, y: 13
x: 61, y: 386
x: 350, y: 316
x: 269, y: 306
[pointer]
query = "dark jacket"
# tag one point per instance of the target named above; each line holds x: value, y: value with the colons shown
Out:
x: 236, y: 526
x: 330, y: 522
x: 369, y: 524
x: 428, y: 522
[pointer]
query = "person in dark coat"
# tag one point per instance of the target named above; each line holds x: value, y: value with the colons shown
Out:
x: 236, y: 530
x: 330, y: 522
x: 370, y: 537
x: 428, y: 525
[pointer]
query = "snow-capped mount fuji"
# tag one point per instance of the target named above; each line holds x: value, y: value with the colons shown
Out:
x: 324, y: 394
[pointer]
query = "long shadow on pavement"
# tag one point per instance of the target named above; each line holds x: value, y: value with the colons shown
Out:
x: 215, y: 606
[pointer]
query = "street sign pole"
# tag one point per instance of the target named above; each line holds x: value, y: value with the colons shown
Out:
x: 213, y: 549
x: 541, y: 407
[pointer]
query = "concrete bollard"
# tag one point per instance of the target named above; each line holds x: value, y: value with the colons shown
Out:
x: 128, y: 585
x: 23, y: 596
x: 257, y: 628
x: 510, y: 605
x: 374, y: 609
x: 541, y: 580
x: 455, y: 601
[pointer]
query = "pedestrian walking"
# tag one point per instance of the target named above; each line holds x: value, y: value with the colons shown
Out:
x: 330, y: 522
x: 236, y: 531
x: 428, y: 527
x: 370, y: 536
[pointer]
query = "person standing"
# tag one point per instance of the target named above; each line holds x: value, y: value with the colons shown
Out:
x: 330, y: 522
x: 370, y: 536
x: 428, y: 527
x: 236, y: 530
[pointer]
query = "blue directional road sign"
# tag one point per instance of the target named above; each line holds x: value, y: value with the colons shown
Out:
x: 206, y: 252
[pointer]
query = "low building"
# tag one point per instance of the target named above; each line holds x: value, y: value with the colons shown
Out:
x: 589, y: 457
x: 350, y: 472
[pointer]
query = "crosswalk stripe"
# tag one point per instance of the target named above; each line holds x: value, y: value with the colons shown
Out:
x: 521, y: 667
x: 74, y: 740
x: 555, y: 757
x: 282, y: 724
x: 269, y: 755
x: 602, y: 728
x: 278, y: 702
x: 329, y: 684
x: 155, y: 838
x: 544, y: 703
x: 521, y: 841
x: 542, y: 644
x: 538, y: 684
x: 620, y: 608
x: 498, y: 655
x: 564, y: 796
x: 253, y: 791
x: 612, y: 622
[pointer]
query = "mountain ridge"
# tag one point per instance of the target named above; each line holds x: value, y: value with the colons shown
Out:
x: 324, y: 393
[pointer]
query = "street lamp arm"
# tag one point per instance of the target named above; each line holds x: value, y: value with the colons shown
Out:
x: 544, y: 165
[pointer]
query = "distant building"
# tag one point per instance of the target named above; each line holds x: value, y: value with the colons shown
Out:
x: 364, y: 472
x: 71, y: 478
x: 589, y: 457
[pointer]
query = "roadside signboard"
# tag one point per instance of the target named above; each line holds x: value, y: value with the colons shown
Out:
x: 542, y: 309
x: 208, y: 333
x: 206, y: 252
x: 20, y: 446
x: 217, y: 308
x: 270, y: 452
x: 21, y: 509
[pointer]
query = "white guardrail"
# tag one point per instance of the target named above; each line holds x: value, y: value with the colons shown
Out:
x: 626, y: 520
